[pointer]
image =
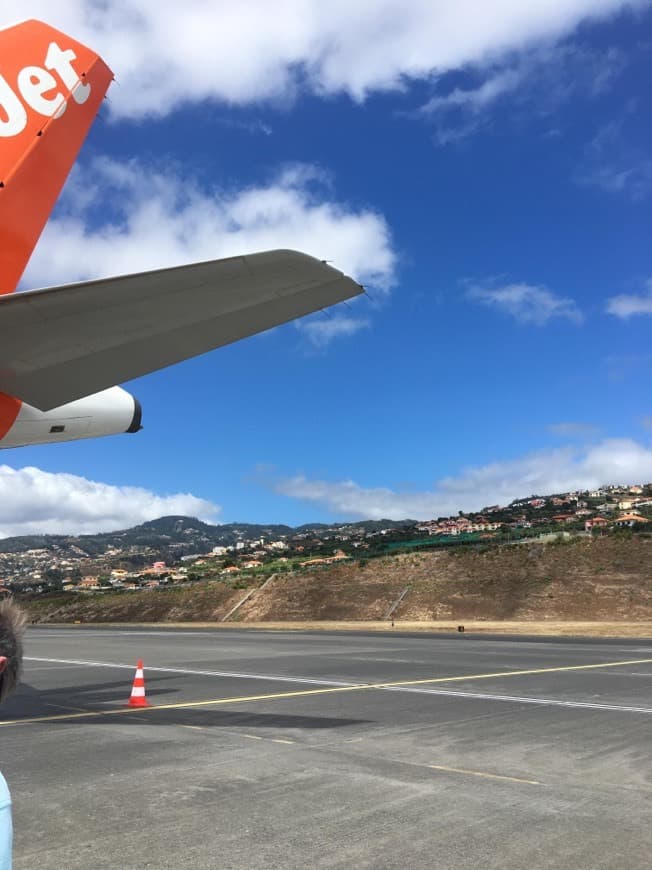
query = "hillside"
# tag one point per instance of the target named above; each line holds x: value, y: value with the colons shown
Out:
x: 178, y: 549
x: 589, y: 579
x: 182, y: 534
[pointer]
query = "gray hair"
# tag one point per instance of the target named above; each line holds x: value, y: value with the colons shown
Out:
x: 12, y: 626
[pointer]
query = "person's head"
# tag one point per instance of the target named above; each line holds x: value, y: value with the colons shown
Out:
x: 12, y: 625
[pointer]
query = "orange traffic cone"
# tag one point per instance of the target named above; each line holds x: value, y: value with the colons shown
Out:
x: 137, y: 698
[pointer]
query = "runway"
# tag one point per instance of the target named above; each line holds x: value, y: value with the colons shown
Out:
x: 312, y: 749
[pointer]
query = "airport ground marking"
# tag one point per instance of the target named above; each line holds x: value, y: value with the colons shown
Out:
x: 267, y: 739
x: 524, y: 699
x: 69, y: 707
x: 237, y: 675
x: 483, y: 774
x: 332, y: 690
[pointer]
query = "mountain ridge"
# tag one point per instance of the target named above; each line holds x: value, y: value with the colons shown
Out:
x: 176, y: 530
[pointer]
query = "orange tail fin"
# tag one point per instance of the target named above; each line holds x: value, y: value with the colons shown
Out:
x: 51, y: 88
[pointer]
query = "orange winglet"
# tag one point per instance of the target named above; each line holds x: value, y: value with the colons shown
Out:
x: 51, y: 88
x: 9, y: 410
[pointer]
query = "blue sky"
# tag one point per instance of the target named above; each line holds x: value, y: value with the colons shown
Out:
x: 484, y: 169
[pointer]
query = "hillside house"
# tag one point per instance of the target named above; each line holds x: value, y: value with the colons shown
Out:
x: 629, y: 521
x: 595, y: 523
x: 606, y: 507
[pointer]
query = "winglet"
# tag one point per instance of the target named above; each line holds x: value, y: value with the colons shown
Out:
x: 51, y: 88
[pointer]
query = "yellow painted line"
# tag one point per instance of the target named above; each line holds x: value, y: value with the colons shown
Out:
x: 304, y: 693
x: 482, y: 774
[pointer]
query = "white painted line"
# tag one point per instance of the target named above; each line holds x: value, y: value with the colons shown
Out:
x: 478, y: 696
x: 483, y: 774
x: 275, y: 678
x: 517, y: 699
x: 51, y: 668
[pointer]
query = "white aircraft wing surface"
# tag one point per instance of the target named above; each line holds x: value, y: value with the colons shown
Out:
x: 62, y: 343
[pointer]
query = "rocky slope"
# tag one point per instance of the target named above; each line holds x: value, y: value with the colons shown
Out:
x: 605, y: 579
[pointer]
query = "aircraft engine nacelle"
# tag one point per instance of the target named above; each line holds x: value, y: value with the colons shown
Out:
x: 109, y: 412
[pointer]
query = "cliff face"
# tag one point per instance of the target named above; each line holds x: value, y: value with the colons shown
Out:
x: 605, y: 579
x: 608, y: 578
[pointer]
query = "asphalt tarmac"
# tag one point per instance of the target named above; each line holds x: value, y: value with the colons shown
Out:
x: 337, y: 750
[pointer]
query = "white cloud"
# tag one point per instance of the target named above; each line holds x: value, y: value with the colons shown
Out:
x: 255, y: 127
x: 548, y: 471
x: 478, y: 98
x: 166, y: 54
x: 613, y: 163
x: 625, y: 305
x: 527, y: 303
x: 537, y: 80
x: 127, y: 217
x: 322, y: 331
x: 33, y: 501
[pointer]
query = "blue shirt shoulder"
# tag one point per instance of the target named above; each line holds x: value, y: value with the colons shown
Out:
x: 6, y: 831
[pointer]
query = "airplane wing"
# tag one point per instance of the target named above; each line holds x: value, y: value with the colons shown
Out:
x: 62, y: 343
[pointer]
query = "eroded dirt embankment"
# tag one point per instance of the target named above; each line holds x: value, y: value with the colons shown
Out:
x: 609, y: 579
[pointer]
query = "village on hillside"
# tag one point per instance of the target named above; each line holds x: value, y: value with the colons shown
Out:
x: 180, y: 551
